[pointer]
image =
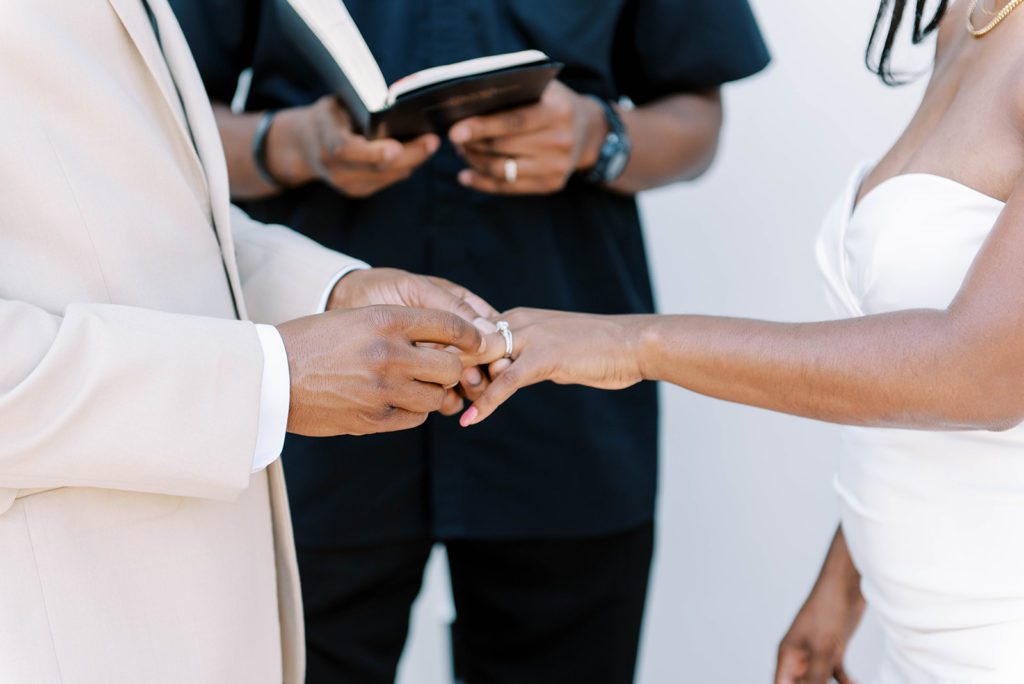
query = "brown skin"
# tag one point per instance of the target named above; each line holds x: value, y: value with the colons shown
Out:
x: 673, y: 139
x: 400, y: 288
x: 942, y: 369
x: 953, y: 368
x: 363, y: 368
x: 813, y: 649
x: 316, y: 142
x: 363, y: 371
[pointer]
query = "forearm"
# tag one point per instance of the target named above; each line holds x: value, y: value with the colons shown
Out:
x: 838, y: 570
x: 237, y: 131
x: 913, y: 369
x: 131, y: 399
x: 673, y: 139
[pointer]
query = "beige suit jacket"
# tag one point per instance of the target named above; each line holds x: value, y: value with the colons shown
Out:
x: 135, y: 545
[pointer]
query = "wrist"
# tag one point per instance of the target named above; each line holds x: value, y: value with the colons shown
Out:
x: 286, y: 158
x: 644, y: 343
x: 594, y: 131
x: 349, y: 292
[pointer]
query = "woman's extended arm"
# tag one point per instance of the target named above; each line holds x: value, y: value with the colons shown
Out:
x: 958, y: 368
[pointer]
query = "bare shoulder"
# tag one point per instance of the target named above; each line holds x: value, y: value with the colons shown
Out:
x: 1011, y: 55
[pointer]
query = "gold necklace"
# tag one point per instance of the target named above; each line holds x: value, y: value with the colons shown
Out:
x: 996, y: 21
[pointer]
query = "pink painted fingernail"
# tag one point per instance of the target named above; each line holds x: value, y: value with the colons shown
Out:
x: 459, y: 134
x: 465, y: 176
x: 473, y: 376
x: 469, y: 416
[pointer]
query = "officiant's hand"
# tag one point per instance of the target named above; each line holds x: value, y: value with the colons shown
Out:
x: 548, y: 142
x: 400, y: 288
x: 317, y: 143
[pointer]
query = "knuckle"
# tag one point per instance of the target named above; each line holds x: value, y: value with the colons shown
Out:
x: 377, y: 354
x: 509, y: 379
x: 451, y: 326
x: 516, y: 317
x: 374, y: 416
x: 515, y: 121
x: 437, y: 397
x: 380, y: 317
x: 453, y: 373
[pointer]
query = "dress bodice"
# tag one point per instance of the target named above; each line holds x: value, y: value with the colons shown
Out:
x: 907, y: 244
x: 934, y: 520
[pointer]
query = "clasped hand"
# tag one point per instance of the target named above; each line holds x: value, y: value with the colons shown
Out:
x: 394, y: 347
x: 549, y: 141
x: 389, y: 351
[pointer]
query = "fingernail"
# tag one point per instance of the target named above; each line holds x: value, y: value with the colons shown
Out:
x: 469, y: 416
x: 391, y: 152
x: 432, y: 145
x: 459, y: 134
x: 465, y: 177
x: 473, y: 376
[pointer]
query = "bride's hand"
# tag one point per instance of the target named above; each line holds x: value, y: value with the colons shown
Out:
x: 565, y: 348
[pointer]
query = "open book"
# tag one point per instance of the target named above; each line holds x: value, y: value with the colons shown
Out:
x: 427, y: 101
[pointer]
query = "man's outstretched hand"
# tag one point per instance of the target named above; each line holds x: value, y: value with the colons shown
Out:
x: 374, y: 369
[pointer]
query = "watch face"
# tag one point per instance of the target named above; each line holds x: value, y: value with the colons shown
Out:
x: 616, y: 165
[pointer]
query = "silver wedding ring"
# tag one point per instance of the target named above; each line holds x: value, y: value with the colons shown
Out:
x: 506, y: 332
x: 511, y: 170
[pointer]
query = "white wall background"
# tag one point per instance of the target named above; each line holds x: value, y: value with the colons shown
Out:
x: 746, y: 507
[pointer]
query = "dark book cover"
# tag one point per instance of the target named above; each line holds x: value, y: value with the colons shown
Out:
x: 436, y: 108
x: 433, y: 108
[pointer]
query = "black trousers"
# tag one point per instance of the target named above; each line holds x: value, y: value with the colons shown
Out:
x: 529, y: 612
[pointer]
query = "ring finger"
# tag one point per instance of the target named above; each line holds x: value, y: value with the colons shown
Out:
x: 497, y: 166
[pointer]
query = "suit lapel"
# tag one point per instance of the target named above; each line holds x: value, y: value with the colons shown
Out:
x: 136, y: 24
x: 170, y: 61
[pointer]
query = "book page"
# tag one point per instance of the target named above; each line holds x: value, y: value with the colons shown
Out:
x: 334, y: 26
x: 471, y: 67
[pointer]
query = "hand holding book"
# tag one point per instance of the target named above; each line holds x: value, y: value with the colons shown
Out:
x: 548, y: 141
x: 318, y: 143
x: 424, y: 102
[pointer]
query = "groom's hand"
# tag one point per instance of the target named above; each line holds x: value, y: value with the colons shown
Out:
x: 395, y: 287
x: 401, y: 288
x: 374, y: 369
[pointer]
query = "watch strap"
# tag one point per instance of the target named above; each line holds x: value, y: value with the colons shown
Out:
x: 615, y: 143
x: 259, y: 148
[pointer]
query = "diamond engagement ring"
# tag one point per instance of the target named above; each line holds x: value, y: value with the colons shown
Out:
x: 511, y: 171
x: 506, y: 332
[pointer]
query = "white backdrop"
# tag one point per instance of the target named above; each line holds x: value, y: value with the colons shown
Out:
x: 746, y: 505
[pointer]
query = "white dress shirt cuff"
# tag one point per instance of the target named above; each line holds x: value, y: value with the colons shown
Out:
x: 275, y: 398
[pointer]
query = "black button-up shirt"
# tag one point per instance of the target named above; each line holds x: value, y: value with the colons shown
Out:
x: 555, y: 461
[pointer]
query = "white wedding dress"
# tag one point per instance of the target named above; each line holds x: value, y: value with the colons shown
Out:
x: 934, y: 521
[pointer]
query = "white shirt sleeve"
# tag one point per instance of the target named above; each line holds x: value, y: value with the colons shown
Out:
x: 275, y: 397
x: 276, y: 387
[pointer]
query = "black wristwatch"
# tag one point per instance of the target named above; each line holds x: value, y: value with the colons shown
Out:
x: 259, y: 149
x: 615, y: 150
